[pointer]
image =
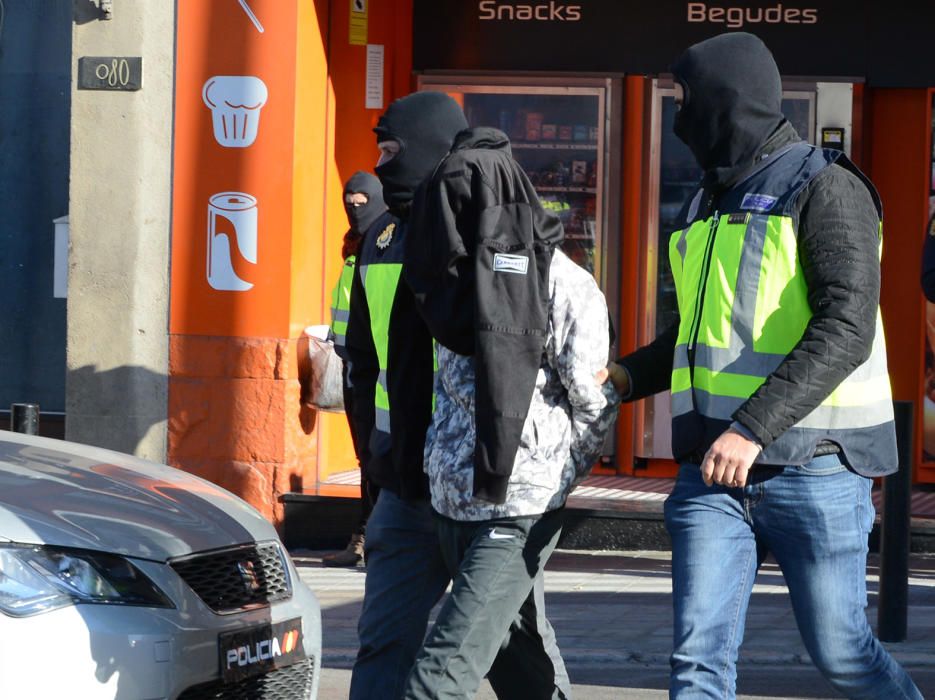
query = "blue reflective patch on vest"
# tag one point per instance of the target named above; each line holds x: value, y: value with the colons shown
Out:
x: 758, y: 202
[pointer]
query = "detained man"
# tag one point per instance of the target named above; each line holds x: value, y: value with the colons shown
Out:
x: 518, y: 422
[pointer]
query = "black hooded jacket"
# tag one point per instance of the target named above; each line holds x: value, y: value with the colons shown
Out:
x: 836, y: 225
x: 477, y: 259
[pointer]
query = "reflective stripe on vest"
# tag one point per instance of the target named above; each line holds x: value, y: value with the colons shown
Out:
x: 380, y: 281
x: 341, y: 302
x: 753, y: 312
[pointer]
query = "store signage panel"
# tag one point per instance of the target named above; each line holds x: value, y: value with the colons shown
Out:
x: 900, y: 35
x: 825, y: 38
x: 231, y: 197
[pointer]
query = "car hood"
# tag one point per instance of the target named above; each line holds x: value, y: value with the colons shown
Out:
x: 70, y: 495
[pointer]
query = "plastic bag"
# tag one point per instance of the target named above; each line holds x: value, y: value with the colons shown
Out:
x: 326, y: 382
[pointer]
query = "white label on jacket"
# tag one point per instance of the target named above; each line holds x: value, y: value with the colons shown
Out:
x: 758, y: 202
x: 517, y: 264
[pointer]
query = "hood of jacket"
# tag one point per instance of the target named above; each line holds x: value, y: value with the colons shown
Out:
x: 482, y: 137
x: 732, y: 103
x: 442, y: 245
x: 424, y: 124
x: 362, y: 217
x: 547, y: 229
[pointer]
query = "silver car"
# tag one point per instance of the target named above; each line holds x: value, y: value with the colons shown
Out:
x: 122, y: 578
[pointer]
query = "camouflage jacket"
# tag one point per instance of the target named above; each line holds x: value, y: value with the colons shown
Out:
x: 569, y: 414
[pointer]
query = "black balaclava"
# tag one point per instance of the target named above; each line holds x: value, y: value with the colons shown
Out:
x: 732, y: 103
x: 362, y: 217
x: 425, y: 125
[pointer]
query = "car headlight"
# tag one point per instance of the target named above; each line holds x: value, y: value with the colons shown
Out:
x: 35, y: 579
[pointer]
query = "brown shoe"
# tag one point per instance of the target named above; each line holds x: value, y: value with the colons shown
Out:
x: 351, y: 555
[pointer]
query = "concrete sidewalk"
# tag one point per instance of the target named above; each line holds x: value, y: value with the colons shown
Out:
x: 611, y: 612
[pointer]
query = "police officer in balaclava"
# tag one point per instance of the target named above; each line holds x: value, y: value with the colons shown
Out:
x: 363, y: 204
x: 781, y: 407
x: 731, y: 104
x: 413, y: 135
x: 391, y: 356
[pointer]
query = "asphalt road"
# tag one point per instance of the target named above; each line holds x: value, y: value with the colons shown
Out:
x: 611, y: 613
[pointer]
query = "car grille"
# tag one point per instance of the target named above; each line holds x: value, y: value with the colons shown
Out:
x: 289, y: 683
x: 235, y: 579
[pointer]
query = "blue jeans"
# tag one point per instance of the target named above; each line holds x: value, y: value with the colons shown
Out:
x: 406, y: 576
x: 815, y: 520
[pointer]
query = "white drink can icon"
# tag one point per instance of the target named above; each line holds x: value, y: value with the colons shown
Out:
x: 231, y: 215
x: 235, y: 102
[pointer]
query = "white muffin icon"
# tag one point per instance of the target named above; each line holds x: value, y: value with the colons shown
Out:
x: 235, y: 102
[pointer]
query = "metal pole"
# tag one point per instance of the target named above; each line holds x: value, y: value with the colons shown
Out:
x: 894, y: 534
x: 24, y: 418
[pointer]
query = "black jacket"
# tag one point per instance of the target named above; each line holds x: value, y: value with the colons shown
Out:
x: 838, y: 242
x: 394, y: 464
x: 477, y: 259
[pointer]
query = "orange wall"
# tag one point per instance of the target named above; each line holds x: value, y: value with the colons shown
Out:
x: 899, y: 140
x: 320, y: 221
x: 218, y: 39
x: 354, y: 143
x: 631, y: 232
x: 234, y: 412
x: 350, y: 146
x: 232, y: 388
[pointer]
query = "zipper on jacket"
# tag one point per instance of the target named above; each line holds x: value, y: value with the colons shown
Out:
x: 699, y: 303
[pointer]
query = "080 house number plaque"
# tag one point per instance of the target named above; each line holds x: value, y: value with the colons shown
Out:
x: 110, y: 73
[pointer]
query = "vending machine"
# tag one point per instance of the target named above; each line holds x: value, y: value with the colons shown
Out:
x: 561, y: 132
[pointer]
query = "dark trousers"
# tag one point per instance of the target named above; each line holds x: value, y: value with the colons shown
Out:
x: 493, y: 623
x: 368, y: 490
x: 406, y: 576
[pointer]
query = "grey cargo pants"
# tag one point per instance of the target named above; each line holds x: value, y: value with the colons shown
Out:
x: 493, y: 623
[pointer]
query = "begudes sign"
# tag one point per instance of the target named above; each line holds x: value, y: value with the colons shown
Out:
x: 735, y: 17
x: 828, y: 39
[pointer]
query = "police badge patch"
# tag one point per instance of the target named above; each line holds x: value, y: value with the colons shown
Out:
x: 758, y: 202
x: 383, y: 240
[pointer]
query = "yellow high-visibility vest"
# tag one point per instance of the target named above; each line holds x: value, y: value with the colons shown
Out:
x: 341, y: 302
x: 743, y: 302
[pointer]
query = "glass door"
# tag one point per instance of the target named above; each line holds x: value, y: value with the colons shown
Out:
x: 673, y: 179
